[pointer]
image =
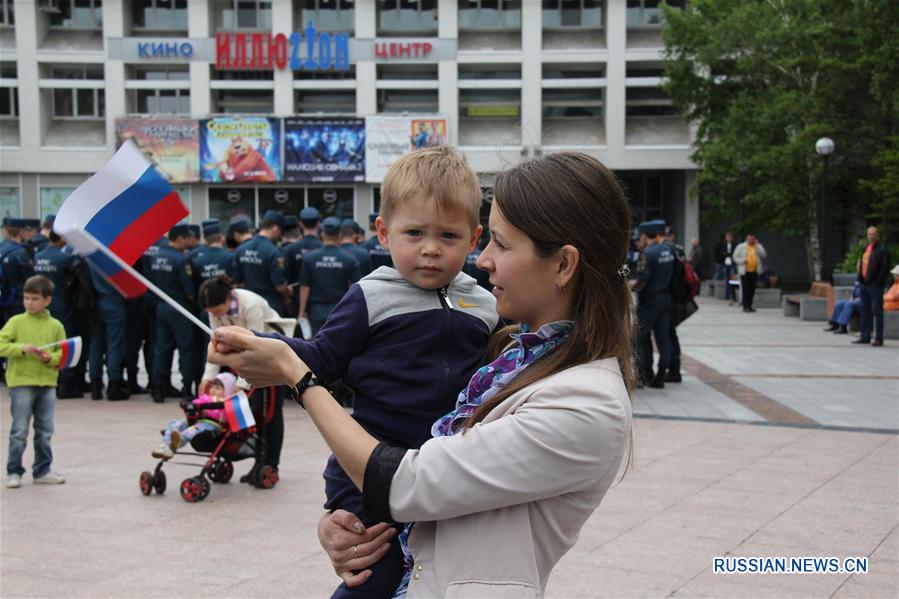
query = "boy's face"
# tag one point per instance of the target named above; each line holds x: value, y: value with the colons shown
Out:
x: 217, y: 390
x: 36, y: 303
x: 428, y: 246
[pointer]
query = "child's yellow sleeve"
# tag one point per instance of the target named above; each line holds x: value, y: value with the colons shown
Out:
x: 8, y: 337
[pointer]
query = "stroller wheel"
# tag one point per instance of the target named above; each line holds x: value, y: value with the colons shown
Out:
x: 146, y: 482
x: 159, y: 482
x: 190, y: 490
x: 268, y: 477
x: 204, y: 487
x: 223, y: 472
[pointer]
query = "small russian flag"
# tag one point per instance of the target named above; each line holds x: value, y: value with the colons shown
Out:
x: 238, y: 413
x: 71, y: 352
x: 126, y: 206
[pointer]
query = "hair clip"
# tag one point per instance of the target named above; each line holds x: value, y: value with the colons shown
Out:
x: 625, y: 271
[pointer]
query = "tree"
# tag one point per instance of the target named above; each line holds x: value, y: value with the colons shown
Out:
x: 763, y: 80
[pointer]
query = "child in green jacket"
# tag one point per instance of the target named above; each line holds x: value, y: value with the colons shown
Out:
x: 31, y: 377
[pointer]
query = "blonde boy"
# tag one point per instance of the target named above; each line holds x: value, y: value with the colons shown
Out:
x: 406, y: 339
x: 31, y: 376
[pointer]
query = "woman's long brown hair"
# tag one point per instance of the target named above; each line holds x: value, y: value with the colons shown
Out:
x: 570, y: 198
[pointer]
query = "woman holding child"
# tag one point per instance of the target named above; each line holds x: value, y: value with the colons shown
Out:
x: 539, y: 434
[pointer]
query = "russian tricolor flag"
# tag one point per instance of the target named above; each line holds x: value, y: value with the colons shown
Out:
x: 126, y: 206
x: 71, y: 352
x: 238, y: 413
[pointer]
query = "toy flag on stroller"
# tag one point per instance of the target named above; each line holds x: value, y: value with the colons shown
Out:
x: 238, y: 413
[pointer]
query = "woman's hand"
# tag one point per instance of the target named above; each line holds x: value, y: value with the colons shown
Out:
x: 259, y: 360
x: 351, y: 547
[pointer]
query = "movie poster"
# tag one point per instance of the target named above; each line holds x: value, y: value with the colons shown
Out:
x: 390, y: 137
x: 324, y: 149
x: 172, y: 144
x: 428, y: 132
x: 240, y: 149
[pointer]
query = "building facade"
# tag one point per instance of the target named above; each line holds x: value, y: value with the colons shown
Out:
x: 512, y: 79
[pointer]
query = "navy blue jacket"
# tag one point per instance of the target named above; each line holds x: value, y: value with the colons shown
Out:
x: 658, y: 268
x: 406, y: 352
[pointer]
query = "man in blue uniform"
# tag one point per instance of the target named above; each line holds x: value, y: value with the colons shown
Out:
x: 173, y: 274
x: 326, y: 275
x: 40, y: 238
x: 653, y: 287
x: 309, y: 221
x: 17, y: 266
x: 56, y: 264
x: 291, y: 231
x: 240, y: 229
x: 378, y: 256
x: 108, y: 340
x: 348, y: 231
x: 294, y: 252
x: 214, y: 260
x: 260, y: 265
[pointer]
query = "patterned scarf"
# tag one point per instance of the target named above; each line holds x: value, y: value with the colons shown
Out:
x: 485, y: 384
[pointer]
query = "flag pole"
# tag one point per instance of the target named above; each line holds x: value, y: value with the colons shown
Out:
x: 159, y: 292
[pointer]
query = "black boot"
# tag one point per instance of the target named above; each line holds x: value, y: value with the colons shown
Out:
x: 187, y: 393
x: 133, y: 386
x: 117, y: 391
x: 832, y: 326
x: 842, y: 330
x: 659, y: 381
x: 171, y: 390
x: 673, y: 376
x: 158, y: 393
x: 96, y: 390
x: 84, y: 386
x: 69, y: 390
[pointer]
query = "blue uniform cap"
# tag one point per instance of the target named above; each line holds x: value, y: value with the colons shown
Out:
x: 652, y: 227
x: 290, y: 222
x: 240, y: 226
x: 178, y: 231
x: 211, y: 227
x: 309, y: 213
x: 49, y: 220
x: 274, y: 216
x: 194, y: 230
x: 32, y: 223
x: 348, y: 222
x: 331, y: 225
x: 16, y: 223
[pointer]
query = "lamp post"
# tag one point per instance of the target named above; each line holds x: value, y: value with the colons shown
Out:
x: 824, y: 148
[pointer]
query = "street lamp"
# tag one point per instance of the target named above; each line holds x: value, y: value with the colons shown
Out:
x: 824, y: 148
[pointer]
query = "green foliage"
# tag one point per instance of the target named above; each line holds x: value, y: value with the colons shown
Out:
x: 850, y: 261
x: 763, y: 80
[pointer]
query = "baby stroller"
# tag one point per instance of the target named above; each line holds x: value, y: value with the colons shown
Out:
x: 221, y: 449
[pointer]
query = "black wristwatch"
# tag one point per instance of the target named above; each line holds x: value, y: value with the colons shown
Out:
x: 296, y: 391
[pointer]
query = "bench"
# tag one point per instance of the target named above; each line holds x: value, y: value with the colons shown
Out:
x: 816, y: 305
x: 767, y: 297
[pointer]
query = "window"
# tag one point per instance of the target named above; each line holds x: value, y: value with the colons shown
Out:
x: 572, y: 14
x: 571, y: 103
x: 159, y: 15
x: 329, y: 75
x: 244, y: 14
x: 52, y: 198
x: 647, y: 13
x: 573, y: 71
x: 407, y: 100
x: 331, y: 201
x: 645, y: 70
x: 407, y: 17
x: 648, y: 101
x: 9, y: 97
x: 489, y: 71
x: 78, y: 14
x: 327, y: 101
x: 226, y: 203
x: 160, y: 101
x: 78, y: 102
x: 253, y: 101
x: 287, y: 200
x: 327, y: 15
x: 166, y: 73
x: 489, y: 15
x: 489, y: 117
x: 645, y: 194
x: 243, y: 75
x: 7, y: 13
x: 407, y: 72
x: 9, y: 202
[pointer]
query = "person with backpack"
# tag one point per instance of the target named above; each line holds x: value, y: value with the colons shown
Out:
x: 684, y: 287
x: 654, y: 301
x: 748, y: 257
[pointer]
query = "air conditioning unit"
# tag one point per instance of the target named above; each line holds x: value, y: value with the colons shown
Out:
x: 49, y: 6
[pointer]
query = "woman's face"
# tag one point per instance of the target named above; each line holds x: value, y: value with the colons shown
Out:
x: 524, y: 283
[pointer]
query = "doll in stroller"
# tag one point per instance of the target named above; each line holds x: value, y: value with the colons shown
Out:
x: 223, y: 427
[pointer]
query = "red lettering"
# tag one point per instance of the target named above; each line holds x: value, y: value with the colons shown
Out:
x: 392, y: 48
x: 240, y: 51
x: 381, y: 50
x: 277, y: 51
x: 256, y: 61
x: 405, y: 50
x: 427, y: 47
x: 417, y: 49
x: 222, y: 51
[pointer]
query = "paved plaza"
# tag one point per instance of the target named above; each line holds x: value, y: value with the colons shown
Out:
x: 781, y: 441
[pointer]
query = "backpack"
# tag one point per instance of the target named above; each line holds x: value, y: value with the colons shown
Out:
x: 80, y: 294
x: 684, y: 282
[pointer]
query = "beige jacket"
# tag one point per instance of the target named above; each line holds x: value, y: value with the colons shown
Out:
x: 740, y: 255
x: 498, y: 506
x: 254, y: 313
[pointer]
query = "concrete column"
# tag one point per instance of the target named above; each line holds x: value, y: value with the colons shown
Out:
x: 198, y: 26
x: 448, y: 97
x: 282, y: 22
x: 616, y: 39
x: 531, y: 74
x: 114, y: 75
x: 366, y: 71
x: 691, y: 209
x: 27, y: 74
x: 448, y: 19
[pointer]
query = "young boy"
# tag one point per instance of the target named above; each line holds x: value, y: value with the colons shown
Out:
x: 407, y: 339
x: 31, y: 377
